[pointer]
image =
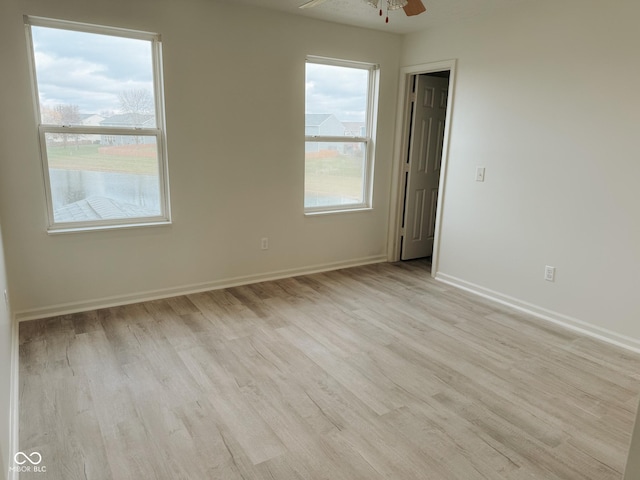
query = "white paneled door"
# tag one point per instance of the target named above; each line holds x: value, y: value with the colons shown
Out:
x: 423, y: 165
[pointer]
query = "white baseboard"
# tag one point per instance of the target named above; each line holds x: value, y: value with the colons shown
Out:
x: 84, y: 306
x: 565, y: 321
x: 14, y: 402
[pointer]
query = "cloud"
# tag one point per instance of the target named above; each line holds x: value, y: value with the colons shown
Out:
x: 89, y: 70
x: 338, y: 90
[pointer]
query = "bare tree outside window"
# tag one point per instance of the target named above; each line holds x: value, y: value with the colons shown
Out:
x: 63, y: 115
x: 101, y: 126
x: 138, y: 103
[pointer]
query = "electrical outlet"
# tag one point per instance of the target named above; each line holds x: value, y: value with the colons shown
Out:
x: 549, y: 273
x: 479, y: 174
x: 264, y: 243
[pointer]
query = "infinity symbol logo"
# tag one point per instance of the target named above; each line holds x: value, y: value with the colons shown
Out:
x: 35, y: 458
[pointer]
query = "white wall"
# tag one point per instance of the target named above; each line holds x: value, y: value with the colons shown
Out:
x: 234, y: 79
x: 6, y: 334
x: 547, y: 99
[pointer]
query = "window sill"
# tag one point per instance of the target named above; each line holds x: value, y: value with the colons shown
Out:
x: 94, y: 228
x: 313, y: 213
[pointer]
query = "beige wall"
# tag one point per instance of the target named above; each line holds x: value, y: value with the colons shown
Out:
x: 6, y: 334
x: 547, y: 100
x: 234, y: 79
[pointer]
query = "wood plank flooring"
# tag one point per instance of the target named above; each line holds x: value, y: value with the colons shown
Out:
x: 375, y: 372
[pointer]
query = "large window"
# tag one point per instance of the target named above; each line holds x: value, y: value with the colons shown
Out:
x: 339, y: 127
x: 101, y: 124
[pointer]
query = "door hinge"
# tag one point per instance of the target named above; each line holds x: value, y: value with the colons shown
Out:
x: 412, y: 97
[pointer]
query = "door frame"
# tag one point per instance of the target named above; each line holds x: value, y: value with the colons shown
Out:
x: 400, y: 151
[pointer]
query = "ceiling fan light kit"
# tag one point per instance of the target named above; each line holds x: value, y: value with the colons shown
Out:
x: 411, y: 7
x: 391, y: 4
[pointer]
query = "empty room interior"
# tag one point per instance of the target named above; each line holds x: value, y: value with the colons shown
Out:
x: 240, y: 239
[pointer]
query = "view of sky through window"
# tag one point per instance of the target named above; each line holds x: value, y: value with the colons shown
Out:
x: 100, y: 127
x: 337, y: 172
x: 337, y: 90
x: 90, y: 71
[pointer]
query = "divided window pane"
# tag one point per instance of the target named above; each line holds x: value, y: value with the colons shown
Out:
x: 339, y: 103
x: 97, y: 177
x: 93, y: 79
x: 334, y: 174
x: 101, y: 135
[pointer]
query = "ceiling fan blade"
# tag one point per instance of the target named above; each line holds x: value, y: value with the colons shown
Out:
x: 414, y: 7
x: 312, y: 3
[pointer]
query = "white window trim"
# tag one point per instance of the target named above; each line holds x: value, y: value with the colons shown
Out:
x: 158, y: 131
x: 369, y: 140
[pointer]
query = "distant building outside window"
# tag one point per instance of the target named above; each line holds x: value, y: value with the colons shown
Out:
x: 101, y: 124
x: 340, y: 105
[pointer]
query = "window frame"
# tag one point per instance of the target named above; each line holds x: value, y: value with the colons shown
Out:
x: 368, y: 140
x: 158, y: 131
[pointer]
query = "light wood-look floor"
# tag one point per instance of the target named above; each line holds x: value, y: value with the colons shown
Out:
x: 375, y: 372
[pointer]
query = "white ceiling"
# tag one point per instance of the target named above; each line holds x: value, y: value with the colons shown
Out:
x: 359, y: 13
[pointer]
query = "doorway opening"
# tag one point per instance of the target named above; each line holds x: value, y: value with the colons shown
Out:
x: 424, y: 118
